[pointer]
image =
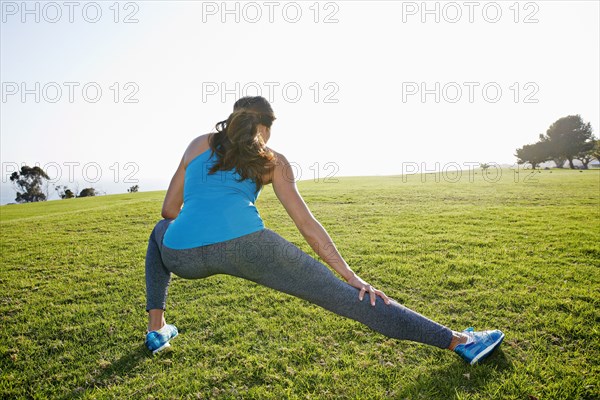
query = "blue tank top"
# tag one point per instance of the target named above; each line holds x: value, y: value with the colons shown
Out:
x: 216, y: 207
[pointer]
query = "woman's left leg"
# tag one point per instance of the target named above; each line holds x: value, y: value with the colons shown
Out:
x: 158, y: 277
x: 270, y: 260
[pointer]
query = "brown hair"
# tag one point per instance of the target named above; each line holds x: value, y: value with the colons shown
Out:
x: 238, y: 144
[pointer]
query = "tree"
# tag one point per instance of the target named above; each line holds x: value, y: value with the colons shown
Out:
x: 587, y: 153
x: 87, y: 192
x: 28, y: 184
x: 534, y: 154
x: 64, y: 192
x: 133, y: 189
x: 596, y: 151
x: 568, y: 138
x: 559, y: 161
x: 557, y: 158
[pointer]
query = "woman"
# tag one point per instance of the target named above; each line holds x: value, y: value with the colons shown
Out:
x: 219, y: 231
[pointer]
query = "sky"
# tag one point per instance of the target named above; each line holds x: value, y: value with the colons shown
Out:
x: 109, y: 95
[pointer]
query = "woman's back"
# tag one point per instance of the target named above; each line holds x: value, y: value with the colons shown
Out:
x: 216, y: 207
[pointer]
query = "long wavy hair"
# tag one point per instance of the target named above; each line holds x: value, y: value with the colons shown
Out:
x: 239, y: 145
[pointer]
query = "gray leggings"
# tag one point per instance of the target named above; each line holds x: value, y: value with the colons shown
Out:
x: 268, y: 259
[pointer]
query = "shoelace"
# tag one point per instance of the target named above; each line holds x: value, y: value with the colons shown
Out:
x: 471, y: 337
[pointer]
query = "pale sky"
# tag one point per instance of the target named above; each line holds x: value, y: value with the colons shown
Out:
x: 502, y: 72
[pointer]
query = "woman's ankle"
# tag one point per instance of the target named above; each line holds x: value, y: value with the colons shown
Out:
x: 156, y: 319
x: 457, y: 338
x: 155, y: 327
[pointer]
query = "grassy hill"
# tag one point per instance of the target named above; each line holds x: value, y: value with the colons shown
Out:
x: 521, y: 254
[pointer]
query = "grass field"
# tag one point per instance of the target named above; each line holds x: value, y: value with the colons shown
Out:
x: 521, y: 254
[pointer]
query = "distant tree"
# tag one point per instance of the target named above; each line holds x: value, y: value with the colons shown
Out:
x: 28, y: 184
x: 133, y: 189
x: 554, y: 154
x: 64, y: 192
x: 88, y: 192
x: 484, y: 166
x: 569, y: 137
x: 587, y: 153
x: 559, y: 161
x: 596, y: 151
x: 533, y: 154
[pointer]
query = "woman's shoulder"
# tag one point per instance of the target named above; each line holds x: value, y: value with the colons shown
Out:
x: 200, y: 140
x: 197, y: 146
x: 280, y: 159
x: 280, y: 164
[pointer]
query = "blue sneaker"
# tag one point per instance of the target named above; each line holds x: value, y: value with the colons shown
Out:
x: 479, y: 345
x: 159, y: 340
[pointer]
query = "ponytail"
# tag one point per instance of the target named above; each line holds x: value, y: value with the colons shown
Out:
x: 239, y: 146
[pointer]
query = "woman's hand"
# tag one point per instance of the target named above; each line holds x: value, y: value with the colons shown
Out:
x: 364, y: 287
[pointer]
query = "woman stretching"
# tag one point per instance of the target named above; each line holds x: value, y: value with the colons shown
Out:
x: 219, y: 231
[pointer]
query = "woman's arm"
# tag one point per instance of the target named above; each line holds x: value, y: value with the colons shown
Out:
x: 284, y: 186
x: 174, y: 197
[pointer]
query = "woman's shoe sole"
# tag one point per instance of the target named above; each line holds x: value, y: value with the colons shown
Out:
x: 164, y: 346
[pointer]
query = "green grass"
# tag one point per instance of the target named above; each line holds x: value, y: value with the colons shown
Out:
x: 521, y: 254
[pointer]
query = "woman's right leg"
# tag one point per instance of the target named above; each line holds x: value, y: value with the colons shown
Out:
x: 268, y: 259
